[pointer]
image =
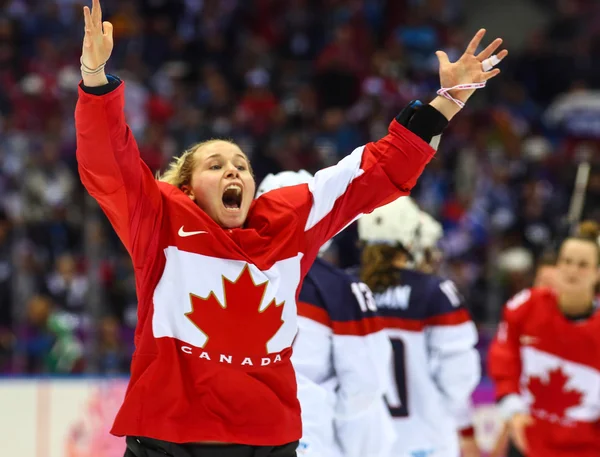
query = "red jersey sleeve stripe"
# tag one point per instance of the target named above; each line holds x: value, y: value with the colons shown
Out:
x: 362, y: 327
x: 314, y: 313
x: 412, y: 325
x: 460, y: 316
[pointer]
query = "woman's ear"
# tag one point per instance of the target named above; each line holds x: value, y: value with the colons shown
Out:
x: 187, y: 190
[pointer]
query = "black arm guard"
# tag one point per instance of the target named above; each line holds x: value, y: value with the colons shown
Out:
x: 113, y: 83
x: 423, y: 120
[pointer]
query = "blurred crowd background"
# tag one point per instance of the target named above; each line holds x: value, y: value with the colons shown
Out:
x: 298, y: 84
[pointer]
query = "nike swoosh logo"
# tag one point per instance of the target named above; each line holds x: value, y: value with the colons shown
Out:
x: 183, y: 233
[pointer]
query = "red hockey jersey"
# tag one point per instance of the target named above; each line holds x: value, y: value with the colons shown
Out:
x: 549, y: 365
x: 217, y: 307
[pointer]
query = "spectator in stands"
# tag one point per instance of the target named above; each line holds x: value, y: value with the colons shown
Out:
x: 67, y: 286
x: 49, y: 213
x: 6, y: 272
x: 47, y: 344
x: 113, y: 354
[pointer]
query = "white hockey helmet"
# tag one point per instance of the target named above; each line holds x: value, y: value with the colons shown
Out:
x: 396, y: 222
x: 427, y: 254
x: 283, y: 179
x: 431, y: 231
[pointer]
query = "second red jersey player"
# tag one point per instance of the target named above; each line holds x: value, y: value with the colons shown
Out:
x: 545, y: 359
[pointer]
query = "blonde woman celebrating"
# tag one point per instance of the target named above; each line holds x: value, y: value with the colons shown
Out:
x: 218, y: 273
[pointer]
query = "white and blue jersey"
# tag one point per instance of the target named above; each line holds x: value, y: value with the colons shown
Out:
x: 436, y: 366
x: 341, y: 357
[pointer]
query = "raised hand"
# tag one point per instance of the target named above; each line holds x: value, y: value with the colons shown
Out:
x: 97, y: 45
x: 470, y: 68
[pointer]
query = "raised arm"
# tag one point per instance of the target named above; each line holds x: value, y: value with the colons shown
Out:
x: 108, y: 157
x: 382, y: 171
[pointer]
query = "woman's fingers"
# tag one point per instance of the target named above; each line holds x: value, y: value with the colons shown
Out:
x: 108, y: 32
x: 474, y: 44
x: 87, y: 17
x: 107, y: 27
x: 490, y: 74
x: 443, y: 58
x: 502, y: 54
x: 487, y: 52
x: 97, y: 13
x: 87, y: 41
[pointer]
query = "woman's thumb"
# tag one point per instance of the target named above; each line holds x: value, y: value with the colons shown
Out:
x: 108, y: 29
x: 442, y: 57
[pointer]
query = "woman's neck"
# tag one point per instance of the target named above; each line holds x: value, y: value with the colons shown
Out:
x: 573, y: 305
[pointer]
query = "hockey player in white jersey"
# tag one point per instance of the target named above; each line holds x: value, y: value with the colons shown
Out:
x: 341, y: 357
x: 436, y: 366
x: 428, y: 258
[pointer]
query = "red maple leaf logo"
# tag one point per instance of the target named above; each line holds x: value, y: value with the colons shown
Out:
x: 550, y: 396
x: 237, y: 326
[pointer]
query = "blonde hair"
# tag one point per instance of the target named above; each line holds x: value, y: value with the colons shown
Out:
x: 179, y: 171
x: 589, y: 231
x: 378, y: 271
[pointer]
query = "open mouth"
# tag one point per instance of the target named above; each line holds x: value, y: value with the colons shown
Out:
x: 232, y: 197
